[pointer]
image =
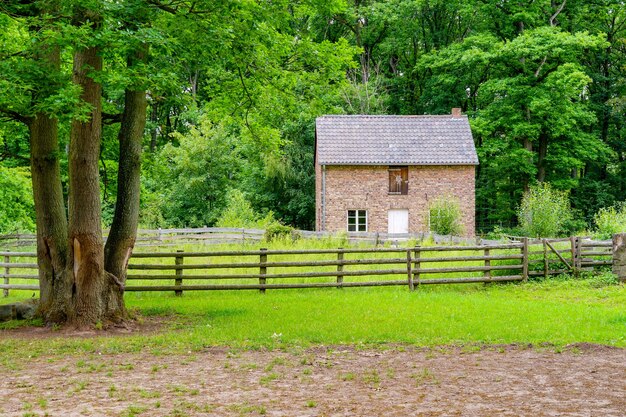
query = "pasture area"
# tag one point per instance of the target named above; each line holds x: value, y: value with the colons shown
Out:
x: 551, y: 346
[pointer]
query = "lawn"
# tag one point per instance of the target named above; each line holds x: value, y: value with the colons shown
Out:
x: 558, y: 311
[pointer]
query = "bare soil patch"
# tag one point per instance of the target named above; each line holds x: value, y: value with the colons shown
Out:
x: 145, y: 325
x: 582, y: 380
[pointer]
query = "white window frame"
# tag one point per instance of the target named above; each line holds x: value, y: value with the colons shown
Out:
x: 359, y: 214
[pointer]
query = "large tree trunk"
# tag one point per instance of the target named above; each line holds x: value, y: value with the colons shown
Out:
x: 121, y: 239
x: 52, y: 249
x: 86, y: 265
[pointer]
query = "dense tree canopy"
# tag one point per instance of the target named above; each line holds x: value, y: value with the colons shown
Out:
x: 232, y: 89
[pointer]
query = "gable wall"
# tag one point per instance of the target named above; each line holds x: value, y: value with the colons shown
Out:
x: 366, y: 187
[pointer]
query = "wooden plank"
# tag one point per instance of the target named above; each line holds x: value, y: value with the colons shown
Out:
x: 268, y: 252
x: 380, y: 261
x: 340, y: 263
x: 12, y: 265
x: 262, y: 269
x: 550, y: 272
x: 525, y: 259
x: 606, y: 253
x: 597, y: 244
x: 597, y: 263
x: 323, y: 251
x: 468, y: 248
x: 20, y: 276
x: 472, y: 258
x: 487, y: 273
x: 7, y: 273
x: 468, y: 280
x: 559, y: 255
x: 417, y: 266
x: 572, y: 240
x: 19, y: 254
x: 266, y: 286
x: 280, y: 275
x: 19, y: 287
x: 178, y: 282
x: 323, y: 284
x: 470, y: 269
x: 546, y: 262
x: 409, y: 270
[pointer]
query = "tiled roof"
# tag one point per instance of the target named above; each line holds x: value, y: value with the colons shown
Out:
x: 395, y: 140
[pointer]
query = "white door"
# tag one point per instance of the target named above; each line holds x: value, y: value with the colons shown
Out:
x: 398, y: 221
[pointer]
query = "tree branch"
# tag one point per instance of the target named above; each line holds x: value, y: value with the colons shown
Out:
x: 558, y: 11
x: 552, y: 18
x: 13, y: 115
x: 108, y: 118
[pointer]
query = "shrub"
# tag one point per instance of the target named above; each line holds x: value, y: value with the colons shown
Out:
x: 610, y: 220
x: 445, y: 216
x: 277, y: 231
x: 239, y: 213
x: 544, y: 211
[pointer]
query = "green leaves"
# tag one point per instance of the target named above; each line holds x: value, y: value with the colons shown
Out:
x: 17, y: 212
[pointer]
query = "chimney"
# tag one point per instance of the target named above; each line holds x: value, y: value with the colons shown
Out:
x: 456, y: 112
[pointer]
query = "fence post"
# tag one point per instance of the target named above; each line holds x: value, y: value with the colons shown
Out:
x: 572, y: 240
x: 525, y: 259
x: 409, y: 269
x: 179, y: 260
x: 262, y: 269
x: 7, y: 270
x: 416, y: 266
x: 579, y: 254
x: 339, y: 268
x: 487, y: 274
x: 619, y: 256
x: 546, y: 261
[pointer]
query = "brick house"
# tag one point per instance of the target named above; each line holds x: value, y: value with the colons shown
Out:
x: 379, y: 173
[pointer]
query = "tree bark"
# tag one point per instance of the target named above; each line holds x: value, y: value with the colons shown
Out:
x: 123, y: 233
x: 52, y: 249
x: 86, y: 264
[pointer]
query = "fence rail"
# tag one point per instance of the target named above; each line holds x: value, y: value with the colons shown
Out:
x: 219, y: 235
x: 264, y: 269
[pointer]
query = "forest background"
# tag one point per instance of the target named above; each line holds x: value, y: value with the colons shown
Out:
x: 234, y: 87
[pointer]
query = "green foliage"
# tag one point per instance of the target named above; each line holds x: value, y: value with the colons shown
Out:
x: 189, y: 181
x: 544, y: 211
x: 17, y: 210
x: 610, y: 220
x: 445, y: 216
x: 278, y: 232
x: 543, y: 88
x: 239, y: 213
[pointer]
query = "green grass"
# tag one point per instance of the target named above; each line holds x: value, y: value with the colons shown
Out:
x: 558, y: 311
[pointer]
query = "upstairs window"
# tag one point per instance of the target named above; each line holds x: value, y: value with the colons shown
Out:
x: 399, y: 180
x: 357, y: 220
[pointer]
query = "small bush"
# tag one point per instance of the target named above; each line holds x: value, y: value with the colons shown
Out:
x: 277, y: 231
x: 445, y: 216
x: 239, y: 213
x: 544, y: 211
x: 610, y: 220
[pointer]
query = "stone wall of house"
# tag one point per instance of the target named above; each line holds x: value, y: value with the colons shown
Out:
x: 367, y: 188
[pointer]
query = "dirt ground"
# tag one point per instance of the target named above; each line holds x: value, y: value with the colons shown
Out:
x: 582, y: 380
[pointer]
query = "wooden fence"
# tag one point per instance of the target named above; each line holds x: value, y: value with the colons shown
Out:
x: 219, y: 235
x: 354, y: 267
